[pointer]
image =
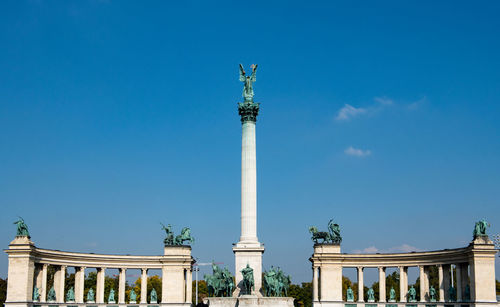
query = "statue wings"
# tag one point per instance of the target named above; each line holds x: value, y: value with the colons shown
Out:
x: 242, y: 73
x: 253, y: 76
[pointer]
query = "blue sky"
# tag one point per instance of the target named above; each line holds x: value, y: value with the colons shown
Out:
x: 117, y: 115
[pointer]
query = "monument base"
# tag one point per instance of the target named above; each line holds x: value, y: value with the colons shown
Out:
x: 250, y: 301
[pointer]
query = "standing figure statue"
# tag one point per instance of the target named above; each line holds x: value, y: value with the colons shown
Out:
x: 432, y: 294
x: 467, y: 293
x: 70, y: 295
x: 392, y: 295
x: 153, y: 297
x: 371, y: 295
x: 412, y: 295
x: 133, y: 297
x: 91, y: 296
x: 111, y: 297
x: 22, y: 228
x: 36, y: 294
x: 452, y: 294
x: 350, y: 295
x: 51, y: 296
x: 169, y: 234
x: 480, y: 229
x: 334, y: 232
x: 248, y: 80
x: 248, y: 281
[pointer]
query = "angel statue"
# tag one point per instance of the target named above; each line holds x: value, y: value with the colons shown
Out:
x: 248, y: 89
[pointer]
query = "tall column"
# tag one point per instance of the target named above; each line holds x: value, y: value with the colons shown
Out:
x: 422, y: 283
x: 79, y: 284
x: 189, y: 286
x: 458, y: 285
x: 59, y: 279
x: 381, y: 284
x: 403, y: 283
x: 101, y: 273
x: 121, y: 286
x: 361, y: 287
x: 315, y: 284
x: 446, y: 281
x: 43, y: 290
x: 441, y: 283
x: 144, y: 286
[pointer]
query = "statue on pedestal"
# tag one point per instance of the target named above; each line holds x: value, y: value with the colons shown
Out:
x: 90, y: 296
x: 133, y: 296
x: 169, y: 234
x: 248, y: 80
x: 248, y: 281
x: 22, y: 228
x: 153, y: 297
x: 70, y: 295
x: 350, y: 295
x: 220, y: 283
x: 51, y: 296
x: 432, y: 294
x: 480, y: 229
x: 371, y: 295
x: 452, y: 294
x: 412, y: 295
x: 111, y: 297
x: 276, y: 283
x: 467, y: 293
x: 332, y: 236
x: 392, y: 295
x: 36, y: 294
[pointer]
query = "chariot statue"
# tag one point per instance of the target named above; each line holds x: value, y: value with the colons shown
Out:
x: 332, y: 236
x: 480, y: 229
x: 184, y: 236
x: 248, y: 281
x: 169, y: 234
x: 22, y: 228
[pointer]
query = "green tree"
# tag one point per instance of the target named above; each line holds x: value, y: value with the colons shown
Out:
x: 498, y: 286
x: 3, y: 290
x: 89, y: 282
x: 202, y: 290
x: 302, y: 294
x: 153, y: 282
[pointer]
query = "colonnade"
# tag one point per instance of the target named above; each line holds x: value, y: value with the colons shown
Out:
x: 473, y: 266
x: 29, y: 267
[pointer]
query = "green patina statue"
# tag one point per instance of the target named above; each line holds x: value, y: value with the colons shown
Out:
x: 153, y: 297
x: 51, y: 296
x: 350, y: 295
x: 248, y: 110
x: 371, y: 295
x: 22, y: 228
x: 171, y: 240
x: 452, y: 294
x: 392, y: 295
x: 248, y: 80
x: 90, y: 296
x: 111, y: 297
x: 276, y: 283
x: 133, y: 296
x: 332, y: 236
x: 248, y: 281
x: 467, y: 293
x: 432, y: 294
x: 36, y: 294
x: 70, y: 295
x: 220, y: 283
x: 480, y: 229
x: 412, y: 295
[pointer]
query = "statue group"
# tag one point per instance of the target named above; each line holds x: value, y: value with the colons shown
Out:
x: 170, y: 239
x: 220, y: 283
x: 22, y: 228
x: 332, y: 236
x: 480, y: 229
x: 276, y: 283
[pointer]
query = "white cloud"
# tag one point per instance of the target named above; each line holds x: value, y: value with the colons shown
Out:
x: 351, y: 151
x: 415, y: 105
x: 384, y: 101
x: 403, y: 248
x: 347, y: 112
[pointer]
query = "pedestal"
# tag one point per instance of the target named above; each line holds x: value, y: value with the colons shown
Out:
x: 250, y: 254
x: 250, y: 301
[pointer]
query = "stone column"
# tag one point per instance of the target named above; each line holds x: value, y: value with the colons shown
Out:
x: 121, y: 286
x: 144, y: 287
x: 189, y: 286
x: 441, y: 283
x: 38, y: 277
x: 381, y: 284
x: 403, y: 287
x: 59, y: 279
x: 465, y: 278
x: 422, y: 283
x: 43, y: 290
x: 361, y: 287
x: 79, y: 284
x: 446, y: 281
x: 458, y: 285
x: 315, y: 284
x: 101, y: 273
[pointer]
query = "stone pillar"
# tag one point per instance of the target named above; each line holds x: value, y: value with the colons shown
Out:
x: 403, y: 283
x: 361, y: 287
x: 101, y: 273
x: 381, y: 284
x: 458, y: 286
x: 315, y: 284
x: 121, y: 286
x: 441, y: 283
x: 59, y: 279
x: 446, y: 281
x: 79, y: 284
x: 21, y: 272
x: 144, y: 287
x: 465, y: 278
x: 43, y: 290
x: 422, y: 283
x: 189, y: 286
x: 38, y: 277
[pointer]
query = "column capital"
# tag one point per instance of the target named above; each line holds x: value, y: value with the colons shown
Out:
x: 381, y: 268
x: 45, y: 265
x: 360, y: 268
x: 144, y: 270
x: 248, y: 111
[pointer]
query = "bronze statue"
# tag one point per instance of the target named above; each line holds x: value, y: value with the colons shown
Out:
x: 248, y: 281
x: 249, y: 80
x: 22, y: 228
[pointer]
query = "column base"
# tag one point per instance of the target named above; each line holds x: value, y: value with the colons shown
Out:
x: 251, y: 254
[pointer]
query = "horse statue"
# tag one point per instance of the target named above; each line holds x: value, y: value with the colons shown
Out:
x: 22, y: 228
x: 332, y: 236
x: 248, y: 281
x: 480, y: 229
x: 184, y: 236
x: 169, y: 234
x: 276, y: 283
x: 319, y: 235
